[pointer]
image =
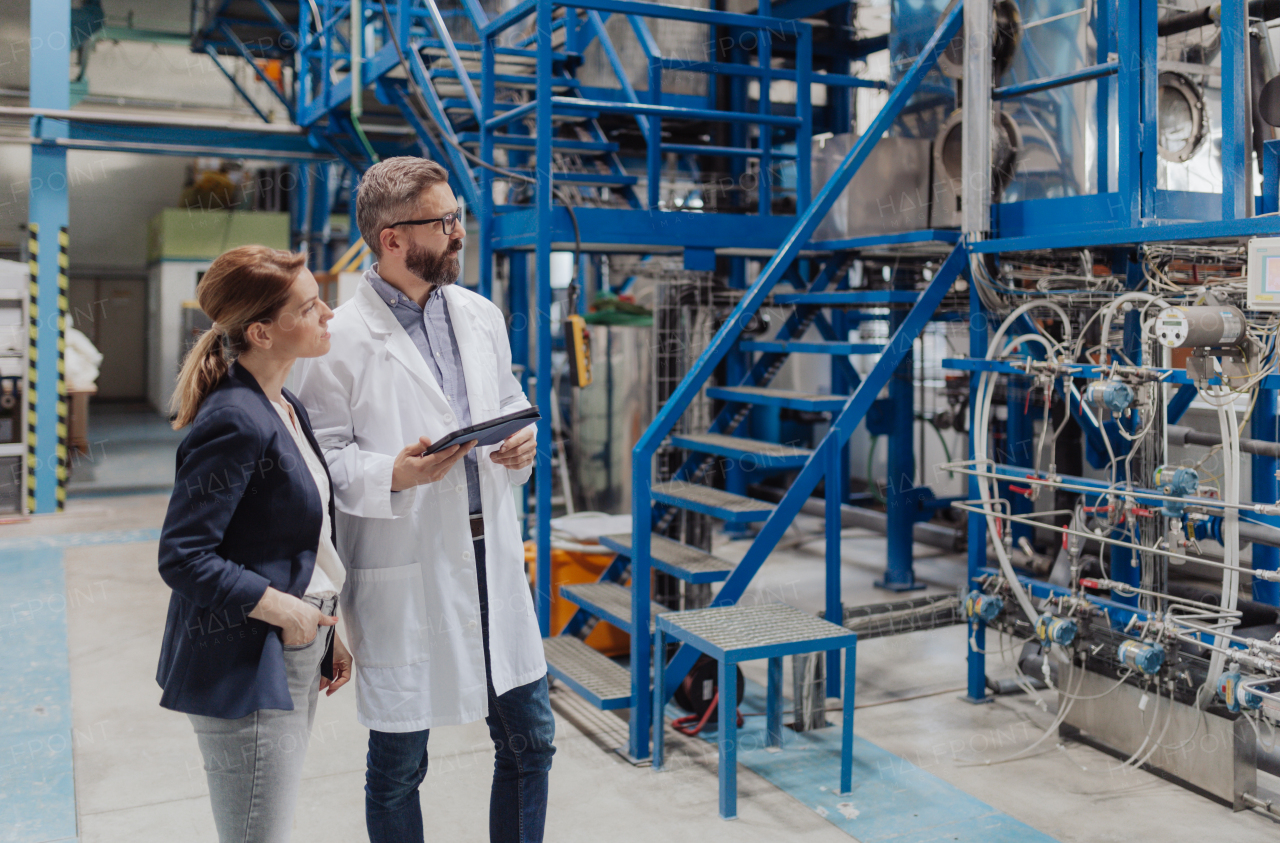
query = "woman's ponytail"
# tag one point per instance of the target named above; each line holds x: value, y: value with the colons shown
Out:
x: 204, y: 368
x: 244, y: 285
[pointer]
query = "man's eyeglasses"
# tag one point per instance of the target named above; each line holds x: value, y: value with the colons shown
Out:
x: 447, y: 222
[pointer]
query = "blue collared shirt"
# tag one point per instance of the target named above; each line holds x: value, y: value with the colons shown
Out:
x: 431, y: 330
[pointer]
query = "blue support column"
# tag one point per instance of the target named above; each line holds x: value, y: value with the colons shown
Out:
x: 978, y: 337
x: 1265, y: 425
x: 1235, y: 150
x: 518, y: 307
x: 48, y: 215
x: 764, y: 58
x: 834, y: 607
x: 1020, y: 439
x: 1104, y: 38
x: 1150, y: 103
x: 542, y: 273
x: 319, y: 216
x: 486, y: 175
x: 1129, y: 111
x: 899, y: 574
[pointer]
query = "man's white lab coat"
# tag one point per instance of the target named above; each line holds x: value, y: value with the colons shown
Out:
x: 411, y: 603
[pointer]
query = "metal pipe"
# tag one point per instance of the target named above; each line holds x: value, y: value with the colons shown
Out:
x: 170, y: 149
x: 1096, y: 71
x: 1210, y: 15
x: 78, y: 116
x: 949, y: 539
x: 1183, y: 435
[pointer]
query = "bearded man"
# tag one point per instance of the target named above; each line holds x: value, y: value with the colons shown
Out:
x: 437, y: 607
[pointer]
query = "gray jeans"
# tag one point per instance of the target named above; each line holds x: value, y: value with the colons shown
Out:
x: 254, y: 763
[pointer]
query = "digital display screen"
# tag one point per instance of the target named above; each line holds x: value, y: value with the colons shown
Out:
x: 1271, y: 276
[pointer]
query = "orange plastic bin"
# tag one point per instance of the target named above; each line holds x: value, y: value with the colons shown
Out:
x: 570, y: 567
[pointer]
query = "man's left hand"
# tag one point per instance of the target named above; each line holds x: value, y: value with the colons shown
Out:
x: 518, y: 449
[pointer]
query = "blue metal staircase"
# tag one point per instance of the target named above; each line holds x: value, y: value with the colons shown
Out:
x: 654, y: 504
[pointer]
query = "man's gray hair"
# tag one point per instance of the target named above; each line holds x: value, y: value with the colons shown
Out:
x: 389, y: 192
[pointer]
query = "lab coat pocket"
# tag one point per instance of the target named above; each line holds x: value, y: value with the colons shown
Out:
x: 386, y: 616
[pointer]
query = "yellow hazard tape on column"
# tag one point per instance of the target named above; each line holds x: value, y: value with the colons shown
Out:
x: 33, y: 269
x: 64, y: 240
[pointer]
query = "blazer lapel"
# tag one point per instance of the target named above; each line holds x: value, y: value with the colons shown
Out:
x: 377, y: 315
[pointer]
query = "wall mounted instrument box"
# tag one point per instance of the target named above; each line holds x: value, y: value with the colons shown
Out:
x: 1264, y: 273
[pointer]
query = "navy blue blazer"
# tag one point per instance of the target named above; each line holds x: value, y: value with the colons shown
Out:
x: 245, y: 514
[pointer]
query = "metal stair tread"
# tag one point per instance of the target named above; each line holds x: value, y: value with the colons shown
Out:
x: 709, y: 496
x: 675, y: 558
x: 837, y: 298
x: 811, y: 347
x: 737, y: 443
x: 609, y: 601
x: 591, y: 674
x: 766, y: 395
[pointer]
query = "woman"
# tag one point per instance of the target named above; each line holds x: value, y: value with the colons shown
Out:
x: 248, y: 545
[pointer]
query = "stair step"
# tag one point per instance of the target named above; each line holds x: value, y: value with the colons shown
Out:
x: 811, y: 347
x: 675, y: 558
x: 726, y: 506
x: 592, y: 675
x: 762, y: 395
x: 525, y: 142
x: 761, y: 454
x: 431, y: 48
x: 461, y: 107
x: 586, y: 178
x: 608, y: 601
x: 849, y: 298
x: 522, y: 81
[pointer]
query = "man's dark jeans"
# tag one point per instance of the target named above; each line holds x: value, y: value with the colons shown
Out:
x: 522, y: 727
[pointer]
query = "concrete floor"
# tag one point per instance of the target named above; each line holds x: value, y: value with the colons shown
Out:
x: 139, y: 779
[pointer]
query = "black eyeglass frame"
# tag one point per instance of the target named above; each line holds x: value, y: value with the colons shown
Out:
x: 447, y: 223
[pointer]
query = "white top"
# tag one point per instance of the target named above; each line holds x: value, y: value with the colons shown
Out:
x: 329, y: 575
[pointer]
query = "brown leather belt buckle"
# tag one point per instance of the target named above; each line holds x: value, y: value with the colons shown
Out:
x: 477, y: 527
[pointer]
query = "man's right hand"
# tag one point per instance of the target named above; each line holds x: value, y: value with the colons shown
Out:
x: 411, y: 468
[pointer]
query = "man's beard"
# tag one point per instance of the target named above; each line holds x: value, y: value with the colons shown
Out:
x: 437, y: 269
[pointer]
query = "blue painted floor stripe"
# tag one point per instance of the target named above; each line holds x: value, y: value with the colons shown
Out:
x: 892, y: 799
x: 79, y: 539
x: 37, y: 786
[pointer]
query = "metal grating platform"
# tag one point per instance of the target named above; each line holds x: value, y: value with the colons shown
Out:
x: 746, y: 627
x: 708, y: 496
x: 591, y: 674
x: 608, y: 600
x: 722, y: 442
x: 680, y: 560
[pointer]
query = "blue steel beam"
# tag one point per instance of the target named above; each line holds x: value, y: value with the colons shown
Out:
x: 1022, y: 88
x: 244, y: 54
x: 235, y: 83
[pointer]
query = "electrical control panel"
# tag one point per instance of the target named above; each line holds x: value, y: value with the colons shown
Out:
x: 1264, y: 274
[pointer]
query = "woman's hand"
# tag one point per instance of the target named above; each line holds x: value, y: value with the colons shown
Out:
x: 341, y: 667
x: 298, y: 620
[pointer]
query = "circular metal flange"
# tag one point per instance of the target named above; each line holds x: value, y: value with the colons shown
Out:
x: 1007, y: 22
x: 1182, y: 118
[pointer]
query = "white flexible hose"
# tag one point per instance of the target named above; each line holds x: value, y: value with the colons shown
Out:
x: 1230, y: 534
